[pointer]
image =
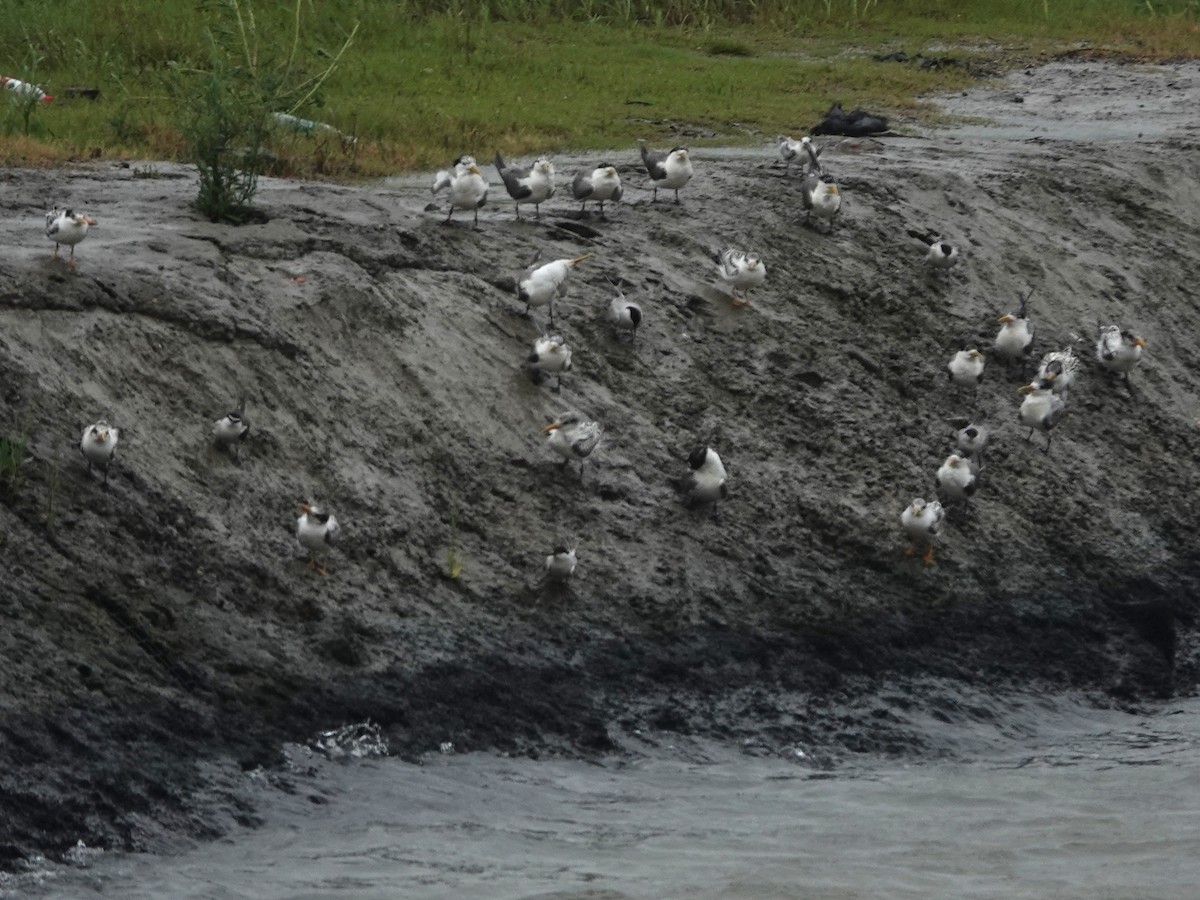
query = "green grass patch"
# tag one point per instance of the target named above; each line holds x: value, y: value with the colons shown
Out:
x: 13, y: 460
x: 425, y: 81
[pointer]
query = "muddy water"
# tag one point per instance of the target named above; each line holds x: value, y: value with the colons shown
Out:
x: 1092, y: 804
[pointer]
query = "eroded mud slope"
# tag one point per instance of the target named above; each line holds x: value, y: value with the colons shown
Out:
x: 171, y: 619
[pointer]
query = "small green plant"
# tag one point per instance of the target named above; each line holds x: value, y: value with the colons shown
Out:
x: 53, y: 481
x: 454, y: 560
x: 226, y: 107
x: 13, y: 460
x: 23, y: 103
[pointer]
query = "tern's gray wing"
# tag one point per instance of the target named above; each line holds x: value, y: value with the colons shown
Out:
x: 1021, y: 313
x: 586, y: 439
x: 810, y: 184
x: 531, y: 266
x: 653, y: 160
x: 51, y: 224
x: 726, y: 264
x: 813, y: 154
x: 513, y: 178
x: 581, y: 187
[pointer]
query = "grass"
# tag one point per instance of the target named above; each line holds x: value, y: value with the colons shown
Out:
x: 13, y: 460
x: 454, y: 557
x: 425, y: 81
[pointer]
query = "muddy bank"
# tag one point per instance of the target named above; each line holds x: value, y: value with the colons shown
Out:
x: 169, y: 624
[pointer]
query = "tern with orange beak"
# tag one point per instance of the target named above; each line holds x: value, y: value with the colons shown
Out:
x: 1059, y: 367
x: 957, y: 478
x: 1119, y: 351
x: 820, y: 198
x: 99, y: 446
x: 740, y: 269
x: 572, y: 437
x: 803, y: 153
x: 1041, y: 409
x: 468, y: 187
x: 534, y: 184
x: 540, y: 285
x: 922, y: 524
x: 668, y: 169
x: 67, y: 227
x: 231, y: 430
x: 560, y: 564
x: 706, y: 483
x: 316, y: 531
x: 966, y: 368
x: 603, y: 183
x: 1015, y: 338
x: 550, y: 356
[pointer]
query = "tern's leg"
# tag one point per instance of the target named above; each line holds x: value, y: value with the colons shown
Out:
x: 477, y: 218
x: 928, y: 557
x: 449, y: 214
x: 910, y: 549
x: 71, y: 261
x: 676, y: 196
x: 54, y: 255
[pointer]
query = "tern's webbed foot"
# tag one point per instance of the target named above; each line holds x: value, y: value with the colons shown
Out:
x: 928, y: 557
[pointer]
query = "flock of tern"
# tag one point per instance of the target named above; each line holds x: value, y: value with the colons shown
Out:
x: 574, y: 438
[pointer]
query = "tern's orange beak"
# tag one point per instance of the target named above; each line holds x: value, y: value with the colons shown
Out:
x: 1139, y: 342
x: 89, y: 220
x: 577, y: 260
x: 550, y: 427
x: 1006, y: 320
x: 1026, y: 389
x: 304, y: 507
x: 474, y: 170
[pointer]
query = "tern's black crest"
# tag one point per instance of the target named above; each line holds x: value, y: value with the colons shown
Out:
x: 559, y: 548
x: 697, y: 457
x: 635, y: 316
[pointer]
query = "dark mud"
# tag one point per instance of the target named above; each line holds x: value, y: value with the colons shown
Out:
x: 157, y: 632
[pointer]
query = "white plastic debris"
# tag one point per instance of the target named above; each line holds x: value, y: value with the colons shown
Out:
x: 24, y: 89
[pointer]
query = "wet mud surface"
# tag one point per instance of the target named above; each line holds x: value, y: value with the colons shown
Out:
x: 168, y: 628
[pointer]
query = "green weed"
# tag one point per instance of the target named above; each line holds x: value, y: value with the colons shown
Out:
x: 225, y: 107
x: 53, y: 482
x: 431, y: 79
x: 454, y: 558
x: 13, y: 460
x: 17, y: 109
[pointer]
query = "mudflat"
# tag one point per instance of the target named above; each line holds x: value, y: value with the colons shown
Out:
x: 162, y: 631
